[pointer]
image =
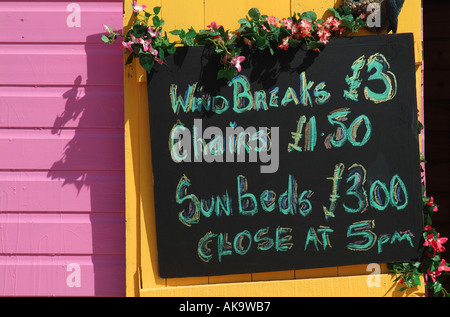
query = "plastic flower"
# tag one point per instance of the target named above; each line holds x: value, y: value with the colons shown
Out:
x: 433, y: 274
x: 236, y: 61
x: 323, y: 34
x: 440, y: 242
x: 436, y: 244
x: 107, y: 29
x: 213, y: 26
x: 248, y: 42
x: 145, y: 44
x: 431, y: 203
x: 272, y: 20
x: 128, y: 45
x: 332, y: 23
x: 285, y: 44
x: 288, y: 23
x: 153, y: 32
x: 443, y: 267
x: 305, y: 27
x: 138, y: 8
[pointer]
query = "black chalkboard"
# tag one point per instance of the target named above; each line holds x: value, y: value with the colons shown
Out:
x: 328, y: 168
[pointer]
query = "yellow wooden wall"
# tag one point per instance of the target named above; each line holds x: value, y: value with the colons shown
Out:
x: 141, y: 253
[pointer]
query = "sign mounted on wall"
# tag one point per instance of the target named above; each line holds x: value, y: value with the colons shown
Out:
x: 303, y: 160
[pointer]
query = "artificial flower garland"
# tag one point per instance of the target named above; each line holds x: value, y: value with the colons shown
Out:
x: 146, y: 40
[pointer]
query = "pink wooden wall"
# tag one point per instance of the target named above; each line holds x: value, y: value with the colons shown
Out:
x: 62, y: 200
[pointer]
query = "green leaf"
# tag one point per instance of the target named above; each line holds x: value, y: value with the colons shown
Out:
x: 175, y: 32
x: 437, y: 288
x: 105, y: 39
x: 156, y: 21
x: 161, y: 54
x: 243, y: 21
x: 191, y: 34
x: 416, y: 279
x: 403, y: 288
x: 254, y: 13
x: 156, y: 10
x: 310, y: 15
x: 171, y: 49
x: 229, y: 73
x: 146, y: 62
x: 129, y: 59
x: 335, y: 12
x: 260, y: 42
x: 188, y: 42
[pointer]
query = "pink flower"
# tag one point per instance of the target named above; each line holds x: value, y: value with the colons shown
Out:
x: 443, y: 267
x: 433, y: 274
x: 428, y: 228
x: 128, y: 45
x: 248, y: 42
x: 272, y: 20
x: 440, y: 242
x: 138, y: 8
x: 153, y: 32
x: 288, y: 23
x: 437, y: 244
x: 323, y: 34
x: 213, y: 26
x: 285, y: 44
x: 332, y: 23
x: 145, y: 44
x: 153, y: 51
x: 305, y: 27
x: 236, y: 61
x: 431, y: 203
x: 158, y: 60
x: 107, y: 29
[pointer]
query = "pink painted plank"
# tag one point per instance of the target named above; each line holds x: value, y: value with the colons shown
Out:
x: 62, y: 233
x: 58, y: 21
x: 54, y: 275
x: 76, y: 106
x: 62, y: 191
x: 62, y: 149
x: 61, y: 64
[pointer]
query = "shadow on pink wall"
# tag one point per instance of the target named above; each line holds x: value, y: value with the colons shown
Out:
x: 93, y: 161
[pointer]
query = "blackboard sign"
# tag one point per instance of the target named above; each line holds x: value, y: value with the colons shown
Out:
x: 303, y: 160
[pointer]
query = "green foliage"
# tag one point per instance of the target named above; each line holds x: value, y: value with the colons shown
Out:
x: 145, y: 39
x: 256, y: 31
x: 431, y: 263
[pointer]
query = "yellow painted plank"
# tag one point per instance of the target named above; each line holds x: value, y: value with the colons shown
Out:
x: 132, y: 171
x: 347, y: 286
x: 267, y: 276
x: 131, y: 131
x: 234, y: 278
x: 228, y: 14
x: 319, y: 7
x: 182, y: 14
x: 314, y: 273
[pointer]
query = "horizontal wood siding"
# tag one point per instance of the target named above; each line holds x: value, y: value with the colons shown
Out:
x: 62, y: 195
